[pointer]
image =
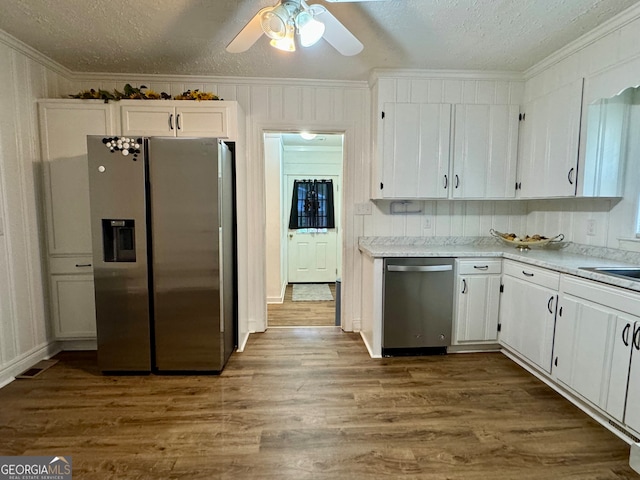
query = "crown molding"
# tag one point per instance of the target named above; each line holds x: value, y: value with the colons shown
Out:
x: 623, y: 18
x: 378, y: 73
x: 30, y: 52
x: 263, y: 81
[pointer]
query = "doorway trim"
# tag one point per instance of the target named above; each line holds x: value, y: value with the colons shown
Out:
x: 258, y: 307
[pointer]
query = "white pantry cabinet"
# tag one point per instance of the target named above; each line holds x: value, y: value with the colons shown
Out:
x: 179, y: 118
x: 477, y: 301
x: 528, y: 311
x: 440, y: 150
x: 549, y: 141
x: 64, y: 126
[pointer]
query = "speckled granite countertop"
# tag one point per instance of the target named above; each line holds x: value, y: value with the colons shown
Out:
x: 567, y: 257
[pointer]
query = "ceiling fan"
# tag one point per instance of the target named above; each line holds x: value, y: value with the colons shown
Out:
x: 311, y: 22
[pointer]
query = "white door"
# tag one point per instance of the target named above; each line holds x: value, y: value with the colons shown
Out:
x: 313, y: 253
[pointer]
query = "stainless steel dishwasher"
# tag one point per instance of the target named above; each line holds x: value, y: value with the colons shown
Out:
x: 417, y: 306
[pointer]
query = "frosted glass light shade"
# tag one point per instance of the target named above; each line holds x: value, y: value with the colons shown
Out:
x: 309, y: 29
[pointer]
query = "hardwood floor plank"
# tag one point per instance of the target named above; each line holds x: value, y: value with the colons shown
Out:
x: 303, y: 403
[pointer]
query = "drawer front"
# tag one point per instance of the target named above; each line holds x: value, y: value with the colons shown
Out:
x: 536, y: 275
x: 612, y: 297
x: 70, y: 265
x: 479, y: 266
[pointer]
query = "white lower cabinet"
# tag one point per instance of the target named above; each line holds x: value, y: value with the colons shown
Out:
x: 632, y: 413
x: 73, y: 306
x: 597, y: 347
x: 583, y: 348
x: 477, y: 301
x: 528, y: 312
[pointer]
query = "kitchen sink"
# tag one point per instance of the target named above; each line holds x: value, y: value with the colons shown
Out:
x: 631, y: 273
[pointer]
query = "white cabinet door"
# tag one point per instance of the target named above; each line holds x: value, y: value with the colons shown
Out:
x: 485, y: 151
x: 478, y: 301
x: 622, y: 345
x: 632, y: 415
x: 202, y: 121
x: 148, y: 120
x: 527, y: 316
x: 64, y: 127
x: 73, y: 306
x: 548, y: 161
x: 583, y: 349
x: 184, y: 118
x: 415, y: 150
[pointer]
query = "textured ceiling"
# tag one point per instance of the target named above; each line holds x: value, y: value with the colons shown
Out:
x: 189, y: 36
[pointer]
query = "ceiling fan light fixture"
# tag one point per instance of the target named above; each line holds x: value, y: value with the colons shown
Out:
x: 274, y: 22
x: 308, y: 135
x: 287, y: 43
x: 309, y: 29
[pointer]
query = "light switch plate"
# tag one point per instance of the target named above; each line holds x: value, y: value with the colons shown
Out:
x: 363, y: 208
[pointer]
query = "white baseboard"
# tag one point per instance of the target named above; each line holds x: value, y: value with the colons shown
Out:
x: 634, y: 457
x: 75, y: 345
x: 242, y: 343
x: 366, y: 344
x: 23, y: 362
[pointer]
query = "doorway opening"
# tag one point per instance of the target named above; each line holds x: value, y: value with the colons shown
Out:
x: 303, y: 188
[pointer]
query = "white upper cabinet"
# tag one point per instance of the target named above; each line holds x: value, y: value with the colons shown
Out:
x: 179, y: 118
x: 485, y: 151
x: 415, y: 150
x: 437, y: 138
x: 549, y: 141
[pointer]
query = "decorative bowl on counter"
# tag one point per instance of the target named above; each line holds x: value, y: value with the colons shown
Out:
x: 526, y: 242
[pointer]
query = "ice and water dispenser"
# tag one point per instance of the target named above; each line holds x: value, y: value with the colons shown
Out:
x: 119, y: 240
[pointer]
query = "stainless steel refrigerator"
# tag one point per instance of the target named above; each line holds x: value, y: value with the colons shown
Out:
x: 163, y: 253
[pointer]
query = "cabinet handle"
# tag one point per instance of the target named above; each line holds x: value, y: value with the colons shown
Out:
x: 171, y: 121
x: 79, y: 265
x: 457, y: 181
x: 570, y: 176
x: 560, y: 311
x: 464, y: 285
x: 527, y: 274
x: 549, y: 305
x: 178, y: 122
x: 625, y: 334
x: 481, y: 267
x: 636, y: 338
x: 556, y: 362
x: 446, y: 182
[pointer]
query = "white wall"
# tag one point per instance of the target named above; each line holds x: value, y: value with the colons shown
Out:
x: 609, y: 62
x: 24, y: 328
x: 275, y: 282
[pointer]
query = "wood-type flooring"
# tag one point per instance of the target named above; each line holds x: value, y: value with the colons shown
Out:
x: 302, y: 314
x: 309, y: 403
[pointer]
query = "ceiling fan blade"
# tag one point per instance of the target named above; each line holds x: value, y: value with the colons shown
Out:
x: 249, y: 35
x: 338, y: 36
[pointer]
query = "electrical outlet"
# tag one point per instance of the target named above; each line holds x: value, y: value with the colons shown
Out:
x: 591, y: 227
x: 363, y: 208
x: 427, y: 223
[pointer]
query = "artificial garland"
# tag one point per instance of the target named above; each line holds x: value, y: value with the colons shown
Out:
x: 142, y: 93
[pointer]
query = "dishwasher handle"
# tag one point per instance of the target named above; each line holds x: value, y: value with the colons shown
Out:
x: 419, y: 268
